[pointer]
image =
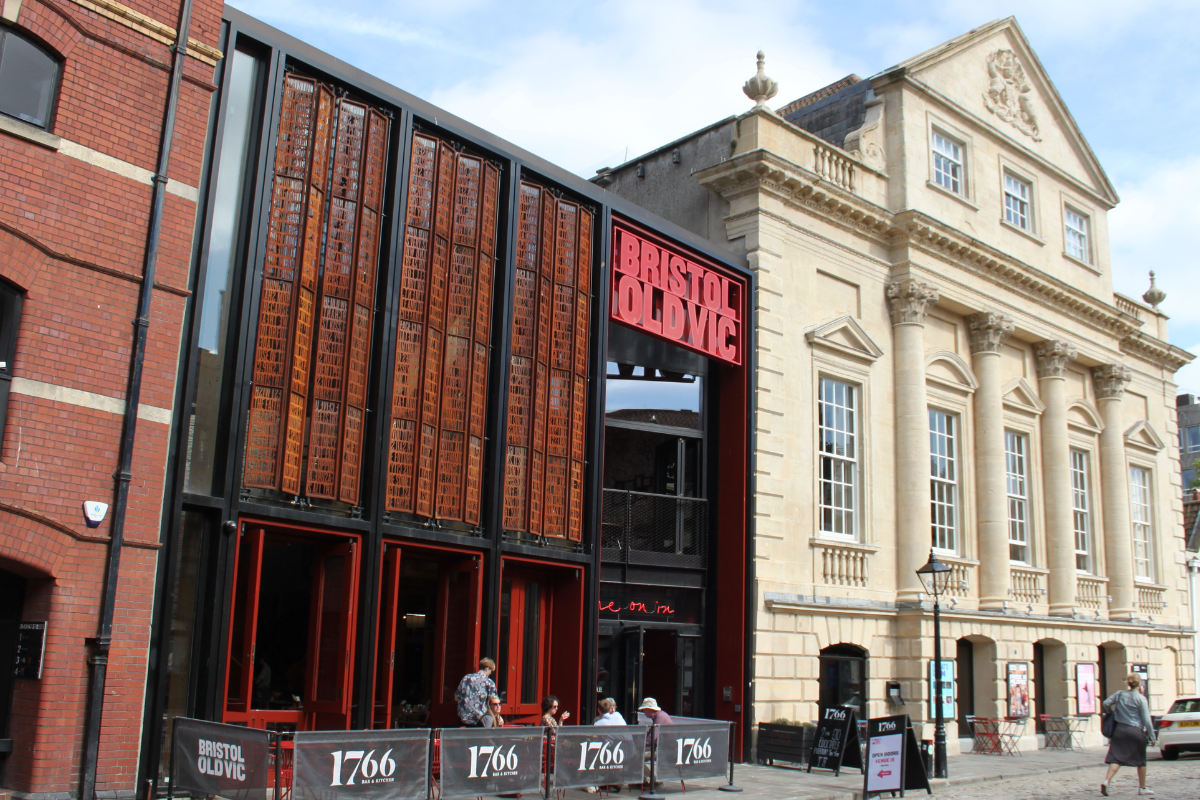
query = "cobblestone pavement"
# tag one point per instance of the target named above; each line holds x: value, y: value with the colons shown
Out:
x: 1178, y: 780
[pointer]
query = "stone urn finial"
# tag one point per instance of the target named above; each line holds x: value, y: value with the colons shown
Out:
x: 760, y: 88
x: 1154, y: 295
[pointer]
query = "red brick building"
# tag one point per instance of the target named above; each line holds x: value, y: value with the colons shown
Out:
x: 83, y: 97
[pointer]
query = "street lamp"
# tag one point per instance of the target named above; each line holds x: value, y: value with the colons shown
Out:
x: 935, y: 576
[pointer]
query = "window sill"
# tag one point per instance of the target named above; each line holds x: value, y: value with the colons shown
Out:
x: 29, y: 132
x: 955, y: 195
x: 833, y: 540
x: 1018, y: 229
x: 1081, y: 262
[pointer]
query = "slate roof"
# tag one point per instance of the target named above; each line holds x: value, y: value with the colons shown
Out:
x: 831, y: 112
x: 658, y: 416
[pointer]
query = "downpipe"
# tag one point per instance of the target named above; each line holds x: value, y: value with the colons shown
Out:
x: 102, y: 643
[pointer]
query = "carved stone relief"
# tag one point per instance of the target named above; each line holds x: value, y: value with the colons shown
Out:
x: 867, y: 141
x: 1010, y: 95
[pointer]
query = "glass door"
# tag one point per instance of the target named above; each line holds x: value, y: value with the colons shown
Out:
x: 632, y: 640
x: 456, y: 651
x: 385, y: 647
x: 524, y: 631
x: 331, y: 636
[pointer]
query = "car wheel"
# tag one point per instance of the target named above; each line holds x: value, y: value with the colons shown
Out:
x: 1170, y: 753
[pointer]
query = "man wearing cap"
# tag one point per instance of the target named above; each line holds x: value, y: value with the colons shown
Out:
x: 650, y: 714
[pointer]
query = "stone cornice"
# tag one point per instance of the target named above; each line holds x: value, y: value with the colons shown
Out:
x: 763, y: 171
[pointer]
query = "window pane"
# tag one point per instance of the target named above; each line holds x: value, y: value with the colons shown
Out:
x: 1018, y: 499
x: 1016, y: 202
x: 531, y: 655
x: 1076, y: 235
x: 1081, y: 510
x: 943, y: 489
x: 838, y: 470
x: 646, y: 394
x: 1139, y: 513
x: 1193, y: 437
x: 27, y: 78
x: 225, y: 254
x: 947, y: 163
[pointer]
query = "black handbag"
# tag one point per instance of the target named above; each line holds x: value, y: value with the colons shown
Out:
x: 1108, y: 725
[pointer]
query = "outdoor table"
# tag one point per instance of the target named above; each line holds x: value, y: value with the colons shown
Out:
x: 1011, y: 729
x: 1076, y: 726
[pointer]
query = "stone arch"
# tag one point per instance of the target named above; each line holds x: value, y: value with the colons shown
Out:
x: 1082, y: 414
x: 978, y: 682
x: 29, y: 547
x: 55, y: 28
x: 1051, y: 683
x: 949, y: 369
x: 1114, y: 666
x: 20, y: 259
x: 843, y: 677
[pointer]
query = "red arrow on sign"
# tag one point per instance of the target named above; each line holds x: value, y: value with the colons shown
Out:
x: 883, y: 772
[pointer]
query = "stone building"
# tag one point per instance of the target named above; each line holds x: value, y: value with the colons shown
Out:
x: 942, y: 359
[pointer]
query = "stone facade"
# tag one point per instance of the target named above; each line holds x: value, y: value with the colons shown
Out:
x: 925, y: 284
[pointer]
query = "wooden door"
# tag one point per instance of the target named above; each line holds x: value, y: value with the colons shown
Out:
x: 243, y: 624
x: 331, y: 637
x: 385, y: 638
x: 523, y: 666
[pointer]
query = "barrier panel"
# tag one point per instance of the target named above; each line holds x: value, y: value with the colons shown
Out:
x: 689, y: 750
x: 483, y: 761
x: 379, y: 765
x: 215, y: 759
x: 598, y: 755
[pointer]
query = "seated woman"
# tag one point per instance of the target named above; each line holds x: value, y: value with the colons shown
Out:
x: 491, y: 718
x: 549, y: 709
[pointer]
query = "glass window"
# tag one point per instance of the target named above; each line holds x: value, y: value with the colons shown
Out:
x: 1139, y: 513
x: 838, y: 434
x: 225, y: 255
x: 1075, y: 235
x: 654, y: 396
x: 1082, y: 510
x: 1016, y: 447
x: 943, y: 485
x: 28, y: 78
x: 1017, y: 195
x: 1193, y: 437
x: 947, y: 163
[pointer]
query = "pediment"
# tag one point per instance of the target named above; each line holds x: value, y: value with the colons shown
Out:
x: 1142, y: 436
x: 993, y: 76
x: 949, y: 370
x: 1082, y: 415
x: 845, y: 336
x: 1020, y: 395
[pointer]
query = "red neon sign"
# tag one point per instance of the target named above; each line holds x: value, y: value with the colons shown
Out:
x: 636, y: 607
x: 661, y: 290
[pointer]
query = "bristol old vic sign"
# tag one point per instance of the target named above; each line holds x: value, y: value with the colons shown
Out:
x: 666, y: 291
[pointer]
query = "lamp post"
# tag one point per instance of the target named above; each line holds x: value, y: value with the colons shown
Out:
x: 935, y: 576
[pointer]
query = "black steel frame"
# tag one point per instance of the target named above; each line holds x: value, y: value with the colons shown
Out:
x: 281, y: 52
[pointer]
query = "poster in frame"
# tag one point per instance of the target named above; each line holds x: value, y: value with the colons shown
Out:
x: 1018, y: 689
x: 1086, y: 689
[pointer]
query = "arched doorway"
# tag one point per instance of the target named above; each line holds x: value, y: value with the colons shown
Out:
x: 1049, y: 681
x: 844, y: 677
x: 1114, y: 666
x: 1169, y: 683
x: 12, y: 601
x: 975, y: 680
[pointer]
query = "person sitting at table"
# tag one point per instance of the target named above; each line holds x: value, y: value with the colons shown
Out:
x: 549, y: 709
x: 492, y: 718
x: 608, y: 714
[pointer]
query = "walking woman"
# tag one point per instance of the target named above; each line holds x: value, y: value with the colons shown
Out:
x: 1134, y: 730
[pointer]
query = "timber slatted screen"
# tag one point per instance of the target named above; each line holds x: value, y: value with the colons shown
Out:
x: 439, y: 394
x: 313, y: 350
x: 547, y: 390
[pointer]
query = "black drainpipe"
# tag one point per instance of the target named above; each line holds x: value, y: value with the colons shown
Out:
x: 100, y: 645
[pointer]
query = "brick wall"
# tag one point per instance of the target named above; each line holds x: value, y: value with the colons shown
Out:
x: 73, y: 238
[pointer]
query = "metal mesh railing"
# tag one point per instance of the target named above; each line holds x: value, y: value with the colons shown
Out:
x: 654, y: 529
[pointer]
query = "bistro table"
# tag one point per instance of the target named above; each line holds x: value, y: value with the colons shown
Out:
x: 1011, y: 730
x: 1076, y: 727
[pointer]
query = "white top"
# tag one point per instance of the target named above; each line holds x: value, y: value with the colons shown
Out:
x: 610, y: 718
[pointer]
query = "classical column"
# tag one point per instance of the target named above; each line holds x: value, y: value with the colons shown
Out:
x: 1052, y: 359
x: 988, y: 331
x: 1110, y: 381
x: 909, y: 301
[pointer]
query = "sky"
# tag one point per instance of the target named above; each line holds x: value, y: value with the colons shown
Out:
x: 588, y: 84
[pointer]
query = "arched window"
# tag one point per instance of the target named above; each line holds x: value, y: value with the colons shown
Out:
x: 28, y: 79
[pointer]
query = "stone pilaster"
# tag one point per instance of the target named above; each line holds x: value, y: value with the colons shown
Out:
x: 987, y: 331
x: 909, y: 301
x: 1109, y: 381
x: 1052, y: 360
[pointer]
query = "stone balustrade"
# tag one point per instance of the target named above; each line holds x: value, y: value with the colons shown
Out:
x: 1151, y: 599
x: 834, y: 167
x: 1091, y: 593
x: 1028, y: 585
x: 844, y: 564
x: 1127, y: 305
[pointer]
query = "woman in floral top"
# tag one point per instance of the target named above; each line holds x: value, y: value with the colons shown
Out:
x: 549, y: 709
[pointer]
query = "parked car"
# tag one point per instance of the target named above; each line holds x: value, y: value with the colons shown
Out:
x: 1179, y: 728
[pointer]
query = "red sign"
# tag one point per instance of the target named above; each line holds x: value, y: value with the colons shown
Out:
x: 661, y: 290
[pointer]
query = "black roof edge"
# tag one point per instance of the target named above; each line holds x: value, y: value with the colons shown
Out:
x: 671, y: 144
x: 393, y: 95
x: 860, y: 87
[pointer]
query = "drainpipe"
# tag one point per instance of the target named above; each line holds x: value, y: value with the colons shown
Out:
x: 102, y: 642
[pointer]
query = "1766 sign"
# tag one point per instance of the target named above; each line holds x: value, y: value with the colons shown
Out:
x: 661, y: 289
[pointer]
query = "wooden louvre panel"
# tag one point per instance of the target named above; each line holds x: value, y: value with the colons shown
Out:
x: 548, y: 377
x: 439, y: 395
x: 317, y: 302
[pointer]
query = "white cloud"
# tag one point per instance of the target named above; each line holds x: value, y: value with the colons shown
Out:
x: 1154, y: 228
x: 655, y: 72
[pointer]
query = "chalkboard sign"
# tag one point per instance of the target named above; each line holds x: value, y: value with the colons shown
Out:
x: 893, y: 761
x: 31, y: 645
x: 836, y: 742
